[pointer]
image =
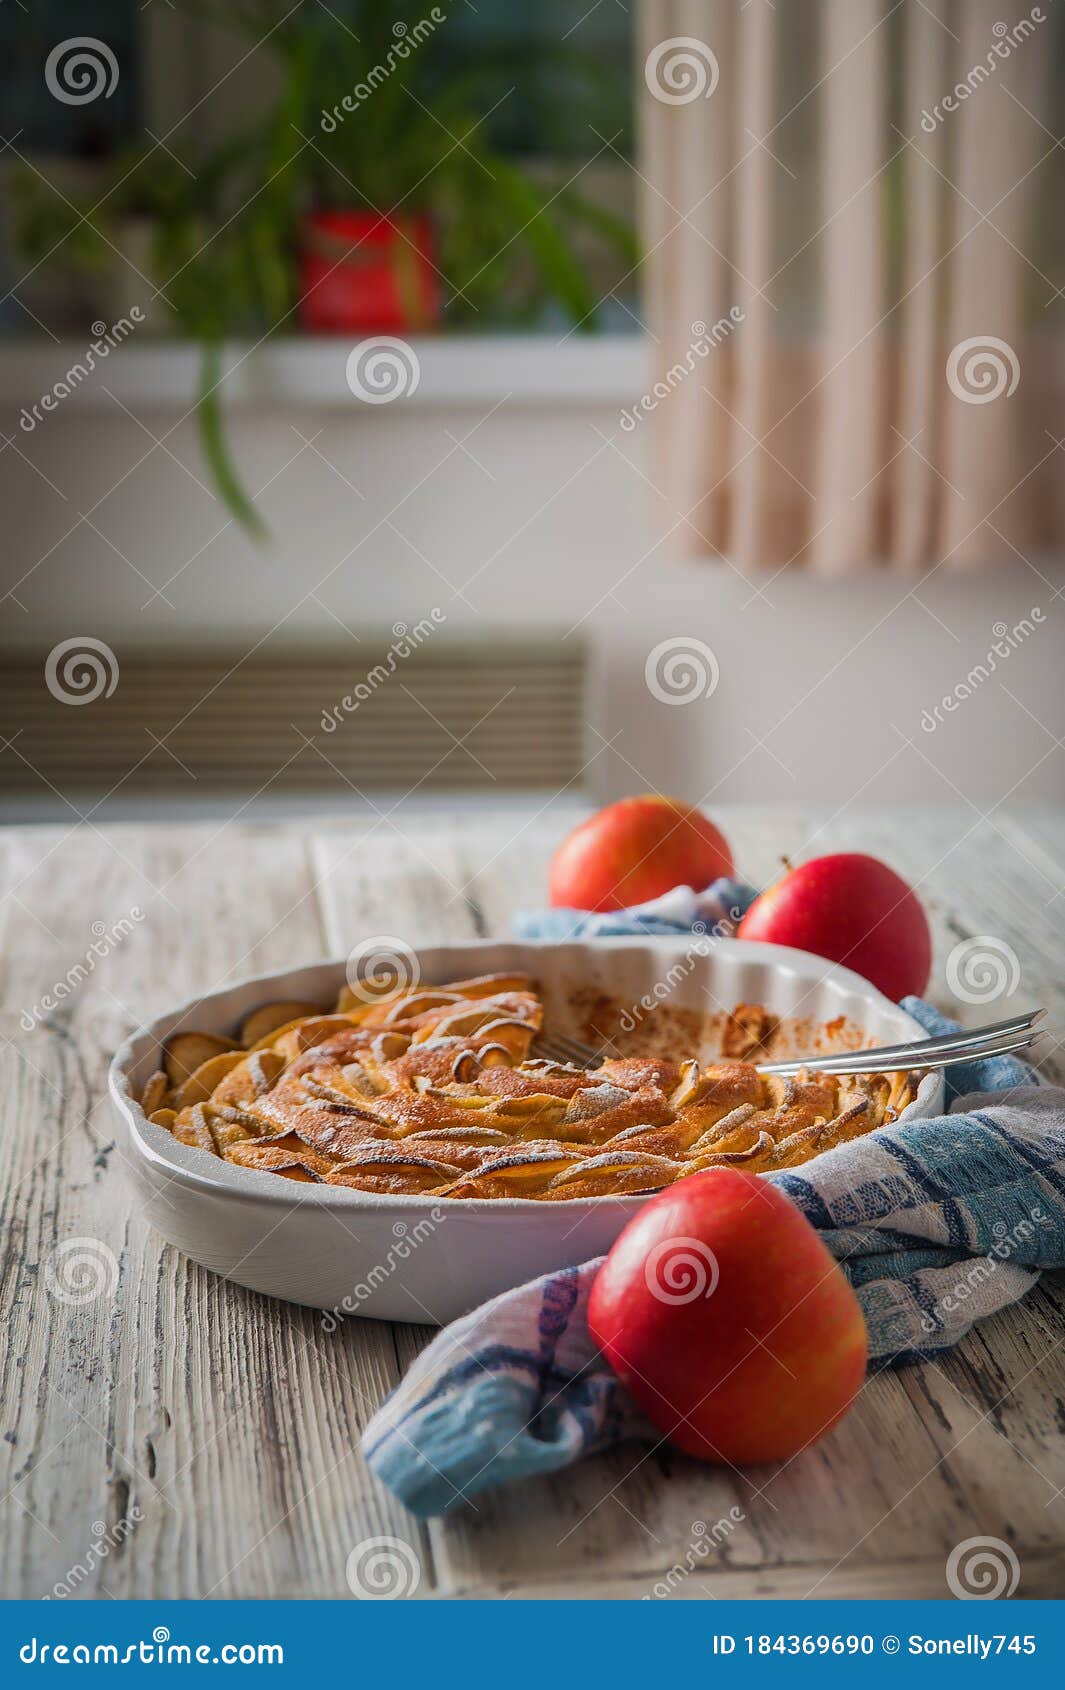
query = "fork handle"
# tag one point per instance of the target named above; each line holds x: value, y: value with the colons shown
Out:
x: 916, y: 1053
x: 914, y: 1056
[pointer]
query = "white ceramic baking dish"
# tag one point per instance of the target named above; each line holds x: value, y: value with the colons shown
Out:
x: 420, y: 1258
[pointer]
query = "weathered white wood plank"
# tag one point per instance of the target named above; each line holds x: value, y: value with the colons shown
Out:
x: 394, y: 879
x: 63, y: 1469
x: 1041, y: 831
x: 699, y: 1579
x: 220, y: 1422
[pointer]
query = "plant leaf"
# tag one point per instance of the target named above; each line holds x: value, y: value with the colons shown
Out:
x: 213, y: 443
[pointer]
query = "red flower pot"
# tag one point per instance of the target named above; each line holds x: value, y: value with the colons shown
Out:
x: 361, y: 272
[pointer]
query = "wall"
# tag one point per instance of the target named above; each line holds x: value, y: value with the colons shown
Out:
x: 522, y: 509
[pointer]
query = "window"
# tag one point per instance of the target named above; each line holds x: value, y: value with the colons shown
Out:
x: 508, y: 128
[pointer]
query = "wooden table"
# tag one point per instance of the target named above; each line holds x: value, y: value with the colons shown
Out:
x: 224, y: 1429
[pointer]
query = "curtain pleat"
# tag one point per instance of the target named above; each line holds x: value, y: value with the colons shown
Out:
x: 687, y: 230
x: 849, y: 491
x: 707, y: 188
x: 865, y: 184
x: 983, y: 449
x: 921, y: 388
x: 756, y: 478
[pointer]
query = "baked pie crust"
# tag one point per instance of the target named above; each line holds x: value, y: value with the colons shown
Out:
x: 432, y: 1092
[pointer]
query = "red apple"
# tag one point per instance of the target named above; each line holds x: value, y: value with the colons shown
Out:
x: 853, y: 910
x: 726, y: 1318
x: 635, y: 850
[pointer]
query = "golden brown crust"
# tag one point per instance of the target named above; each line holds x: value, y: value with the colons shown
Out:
x: 433, y: 1091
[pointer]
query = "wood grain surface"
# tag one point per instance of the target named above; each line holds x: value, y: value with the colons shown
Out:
x: 165, y: 1434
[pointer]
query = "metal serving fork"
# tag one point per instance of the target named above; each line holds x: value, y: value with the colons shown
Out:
x: 995, y: 1040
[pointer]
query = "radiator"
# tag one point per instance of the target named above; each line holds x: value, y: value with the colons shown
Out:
x: 413, y: 710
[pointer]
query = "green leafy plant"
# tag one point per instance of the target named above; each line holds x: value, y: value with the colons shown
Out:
x: 371, y: 115
x: 213, y: 276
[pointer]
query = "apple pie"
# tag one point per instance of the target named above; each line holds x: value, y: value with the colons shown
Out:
x: 434, y: 1091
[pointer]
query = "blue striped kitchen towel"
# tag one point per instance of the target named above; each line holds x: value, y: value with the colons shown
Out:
x: 938, y: 1223
x: 682, y: 911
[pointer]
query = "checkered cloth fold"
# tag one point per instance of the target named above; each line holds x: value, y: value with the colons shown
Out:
x: 679, y: 913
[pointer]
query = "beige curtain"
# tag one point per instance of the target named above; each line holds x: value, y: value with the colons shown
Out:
x: 853, y: 216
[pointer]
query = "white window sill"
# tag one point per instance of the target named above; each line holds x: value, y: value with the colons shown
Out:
x: 454, y: 370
